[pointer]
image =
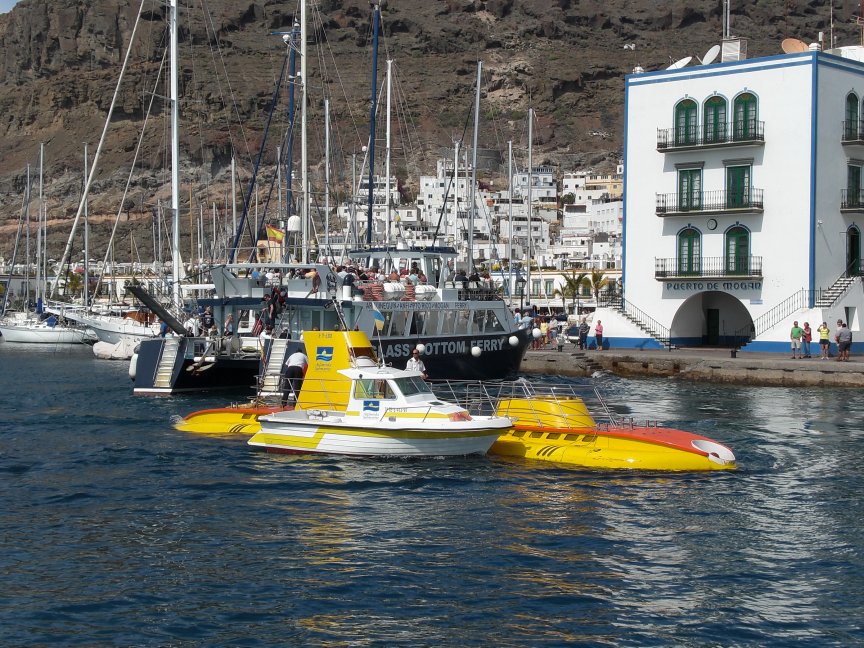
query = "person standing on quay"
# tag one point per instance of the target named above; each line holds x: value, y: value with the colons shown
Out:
x: 844, y: 342
x: 795, y: 335
x: 583, y: 334
x: 806, y: 338
x: 598, y: 334
x: 824, y: 340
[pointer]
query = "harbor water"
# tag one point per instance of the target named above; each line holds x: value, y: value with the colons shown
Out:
x: 119, y: 530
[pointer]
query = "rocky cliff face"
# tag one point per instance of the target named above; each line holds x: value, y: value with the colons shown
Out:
x: 60, y: 61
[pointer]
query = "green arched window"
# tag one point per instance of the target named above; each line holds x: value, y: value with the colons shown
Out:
x: 714, y: 120
x: 744, y: 126
x: 852, y: 125
x: 853, y: 251
x: 685, y: 122
x: 854, y: 198
x: 737, y: 250
x: 689, y: 251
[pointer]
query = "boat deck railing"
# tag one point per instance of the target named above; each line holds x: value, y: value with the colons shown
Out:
x: 483, y: 398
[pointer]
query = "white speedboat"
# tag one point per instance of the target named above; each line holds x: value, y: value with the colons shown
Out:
x: 371, y: 410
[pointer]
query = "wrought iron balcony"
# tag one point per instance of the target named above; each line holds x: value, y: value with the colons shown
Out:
x: 743, y: 133
x: 853, y: 132
x: 852, y: 201
x: 710, y: 202
x: 739, y: 267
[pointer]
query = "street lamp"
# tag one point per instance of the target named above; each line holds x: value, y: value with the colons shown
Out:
x: 520, y: 288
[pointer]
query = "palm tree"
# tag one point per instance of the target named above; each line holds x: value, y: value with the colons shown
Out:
x: 564, y: 292
x: 598, y: 281
x: 575, y: 284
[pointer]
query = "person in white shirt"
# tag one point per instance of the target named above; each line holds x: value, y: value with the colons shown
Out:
x: 295, y: 369
x: 416, y: 364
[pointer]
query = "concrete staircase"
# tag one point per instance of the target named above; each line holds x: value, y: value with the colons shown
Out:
x: 830, y: 296
x: 646, y: 323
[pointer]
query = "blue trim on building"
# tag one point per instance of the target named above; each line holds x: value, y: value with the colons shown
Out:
x: 814, y: 118
x: 795, y: 60
x: 785, y: 348
x: 627, y: 343
x: 624, y: 190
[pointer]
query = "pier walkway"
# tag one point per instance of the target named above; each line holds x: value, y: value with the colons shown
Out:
x: 702, y: 364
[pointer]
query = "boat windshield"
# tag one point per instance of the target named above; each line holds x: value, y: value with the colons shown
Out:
x: 412, y: 385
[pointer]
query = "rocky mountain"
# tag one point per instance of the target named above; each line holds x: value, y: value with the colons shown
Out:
x: 60, y: 62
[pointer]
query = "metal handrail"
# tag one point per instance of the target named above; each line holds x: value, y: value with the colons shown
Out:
x: 484, y: 398
x: 737, y: 266
x: 719, y: 200
x: 852, y: 199
x: 853, y: 130
x: 696, y: 135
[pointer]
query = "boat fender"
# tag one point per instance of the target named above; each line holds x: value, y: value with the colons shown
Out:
x: 133, y: 366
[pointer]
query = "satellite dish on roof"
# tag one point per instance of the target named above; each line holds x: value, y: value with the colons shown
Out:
x: 680, y: 63
x: 710, y: 55
x: 793, y: 46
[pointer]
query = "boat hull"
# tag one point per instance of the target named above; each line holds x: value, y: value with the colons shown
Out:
x: 232, y: 420
x: 444, y: 357
x: 41, y: 335
x: 630, y: 448
x: 297, y: 436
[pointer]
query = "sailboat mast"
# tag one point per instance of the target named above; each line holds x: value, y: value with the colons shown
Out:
x: 329, y: 251
x: 40, y: 253
x: 292, y: 114
x: 372, y: 115
x: 304, y: 153
x: 387, y: 157
x: 175, y: 158
x: 473, y: 206
x: 86, y: 241
x: 530, y: 181
x: 510, y: 220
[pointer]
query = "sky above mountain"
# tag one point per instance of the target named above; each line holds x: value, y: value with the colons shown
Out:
x: 6, y: 5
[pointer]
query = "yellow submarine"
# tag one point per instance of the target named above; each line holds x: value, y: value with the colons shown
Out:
x: 550, y: 423
x: 559, y: 429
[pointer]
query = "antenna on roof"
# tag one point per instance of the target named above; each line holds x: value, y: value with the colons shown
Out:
x: 710, y: 55
x: 793, y: 46
x: 680, y: 63
x: 726, y: 19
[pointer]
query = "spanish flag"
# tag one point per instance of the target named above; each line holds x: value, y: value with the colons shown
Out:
x: 275, y: 234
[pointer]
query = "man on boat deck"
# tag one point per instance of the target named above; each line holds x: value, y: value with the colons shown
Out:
x: 295, y: 369
x: 416, y: 364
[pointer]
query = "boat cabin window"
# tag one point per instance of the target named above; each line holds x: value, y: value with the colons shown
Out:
x: 397, y: 322
x: 376, y: 388
x: 412, y: 385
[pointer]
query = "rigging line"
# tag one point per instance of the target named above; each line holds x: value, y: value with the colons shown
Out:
x: 208, y: 14
x: 95, y: 164
x: 468, y: 117
x: 15, y: 250
x: 322, y: 46
x: 243, y: 218
x: 138, y: 149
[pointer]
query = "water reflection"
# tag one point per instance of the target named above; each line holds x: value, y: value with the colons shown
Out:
x: 123, y: 530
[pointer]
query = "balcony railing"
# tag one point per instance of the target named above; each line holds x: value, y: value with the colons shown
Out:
x: 705, y: 267
x: 853, y: 132
x: 852, y: 200
x: 710, y: 202
x: 693, y: 136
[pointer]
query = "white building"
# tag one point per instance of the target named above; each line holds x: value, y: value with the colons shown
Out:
x: 743, y: 200
x: 544, y: 189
